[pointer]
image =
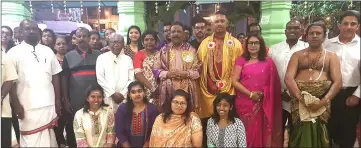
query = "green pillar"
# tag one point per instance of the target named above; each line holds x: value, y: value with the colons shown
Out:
x: 130, y: 13
x: 13, y: 13
x: 274, y: 16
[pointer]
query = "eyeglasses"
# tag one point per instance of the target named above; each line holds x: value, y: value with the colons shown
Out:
x: 36, y: 57
x: 182, y: 104
x: 253, y: 43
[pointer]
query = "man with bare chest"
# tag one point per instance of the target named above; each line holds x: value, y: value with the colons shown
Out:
x: 313, y: 78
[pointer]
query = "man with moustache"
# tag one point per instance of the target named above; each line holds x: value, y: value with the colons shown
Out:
x: 218, y: 54
x: 199, y: 31
x: 166, y: 35
x: 177, y: 67
x: 346, y: 107
x: 281, y: 54
x: 78, y: 73
x: 114, y: 79
x: 37, y: 88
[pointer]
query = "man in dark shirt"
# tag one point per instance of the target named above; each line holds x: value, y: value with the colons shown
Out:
x: 78, y: 74
x: 166, y: 35
x: 199, y: 31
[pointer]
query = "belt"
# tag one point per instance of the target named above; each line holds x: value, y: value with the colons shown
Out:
x: 346, y: 88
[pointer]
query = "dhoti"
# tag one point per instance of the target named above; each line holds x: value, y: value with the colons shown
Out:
x: 36, y: 128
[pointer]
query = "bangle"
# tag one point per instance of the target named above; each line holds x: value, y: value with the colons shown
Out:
x: 250, y: 95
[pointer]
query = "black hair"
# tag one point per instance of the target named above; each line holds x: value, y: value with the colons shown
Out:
x: 140, y: 47
x: 254, y: 24
x: 198, y: 19
x: 52, y: 33
x: 189, y: 29
x: 350, y: 13
x: 230, y: 100
x: 323, y: 26
x: 88, y: 91
x: 318, y: 20
x: 93, y: 32
x: 240, y: 35
x: 11, y: 42
x: 167, y: 24
x: 150, y: 32
x: 129, y: 104
x: 111, y: 29
x: 262, y: 54
x: 179, y: 24
x: 83, y: 29
x: 167, y: 106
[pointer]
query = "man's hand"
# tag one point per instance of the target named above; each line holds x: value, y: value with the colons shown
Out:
x: 58, y: 107
x: 183, y: 74
x: 117, y: 97
x: 67, y: 106
x: 352, y: 101
x: 285, y: 97
x: 171, y: 74
x: 316, y: 105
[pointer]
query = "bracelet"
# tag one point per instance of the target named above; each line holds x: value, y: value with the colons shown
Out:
x: 250, y: 95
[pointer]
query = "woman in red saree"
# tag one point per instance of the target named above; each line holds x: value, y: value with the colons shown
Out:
x: 258, y: 90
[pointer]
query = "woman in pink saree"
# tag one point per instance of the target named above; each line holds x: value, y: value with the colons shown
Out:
x: 258, y: 95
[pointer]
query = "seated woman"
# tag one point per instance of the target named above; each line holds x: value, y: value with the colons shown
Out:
x: 223, y: 128
x: 94, y: 124
x: 177, y: 126
x: 134, y: 119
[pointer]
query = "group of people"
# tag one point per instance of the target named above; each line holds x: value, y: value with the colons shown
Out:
x: 215, y: 91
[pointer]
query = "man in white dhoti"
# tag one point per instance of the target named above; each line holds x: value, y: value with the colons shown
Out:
x: 114, y: 71
x: 37, y: 88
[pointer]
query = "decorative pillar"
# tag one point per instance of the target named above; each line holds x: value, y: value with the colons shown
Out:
x: 13, y: 13
x: 274, y: 17
x: 130, y: 13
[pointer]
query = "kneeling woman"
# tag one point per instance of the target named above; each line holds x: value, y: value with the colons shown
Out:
x: 134, y: 119
x: 224, y: 129
x: 177, y: 126
x: 94, y: 124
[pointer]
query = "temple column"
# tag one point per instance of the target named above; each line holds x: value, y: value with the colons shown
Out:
x: 13, y: 13
x: 274, y: 17
x: 130, y: 13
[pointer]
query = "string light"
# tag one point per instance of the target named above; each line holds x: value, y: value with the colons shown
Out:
x: 52, y: 6
x: 81, y: 6
x: 31, y: 7
x: 197, y: 8
x: 64, y: 6
x: 99, y: 10
x: 324, y: 4
x: 305, y: 5
x: 168, y: 5
x: 351, y: 4
x: 247, y: 3
x: 217, y: 7
x: 156, y: 7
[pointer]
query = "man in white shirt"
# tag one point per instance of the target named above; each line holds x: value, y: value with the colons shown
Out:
x: 114, y: 71
x: 37, y: 88
x: 8, y: 77
x: 281, y: 54
x: 345, y: 108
